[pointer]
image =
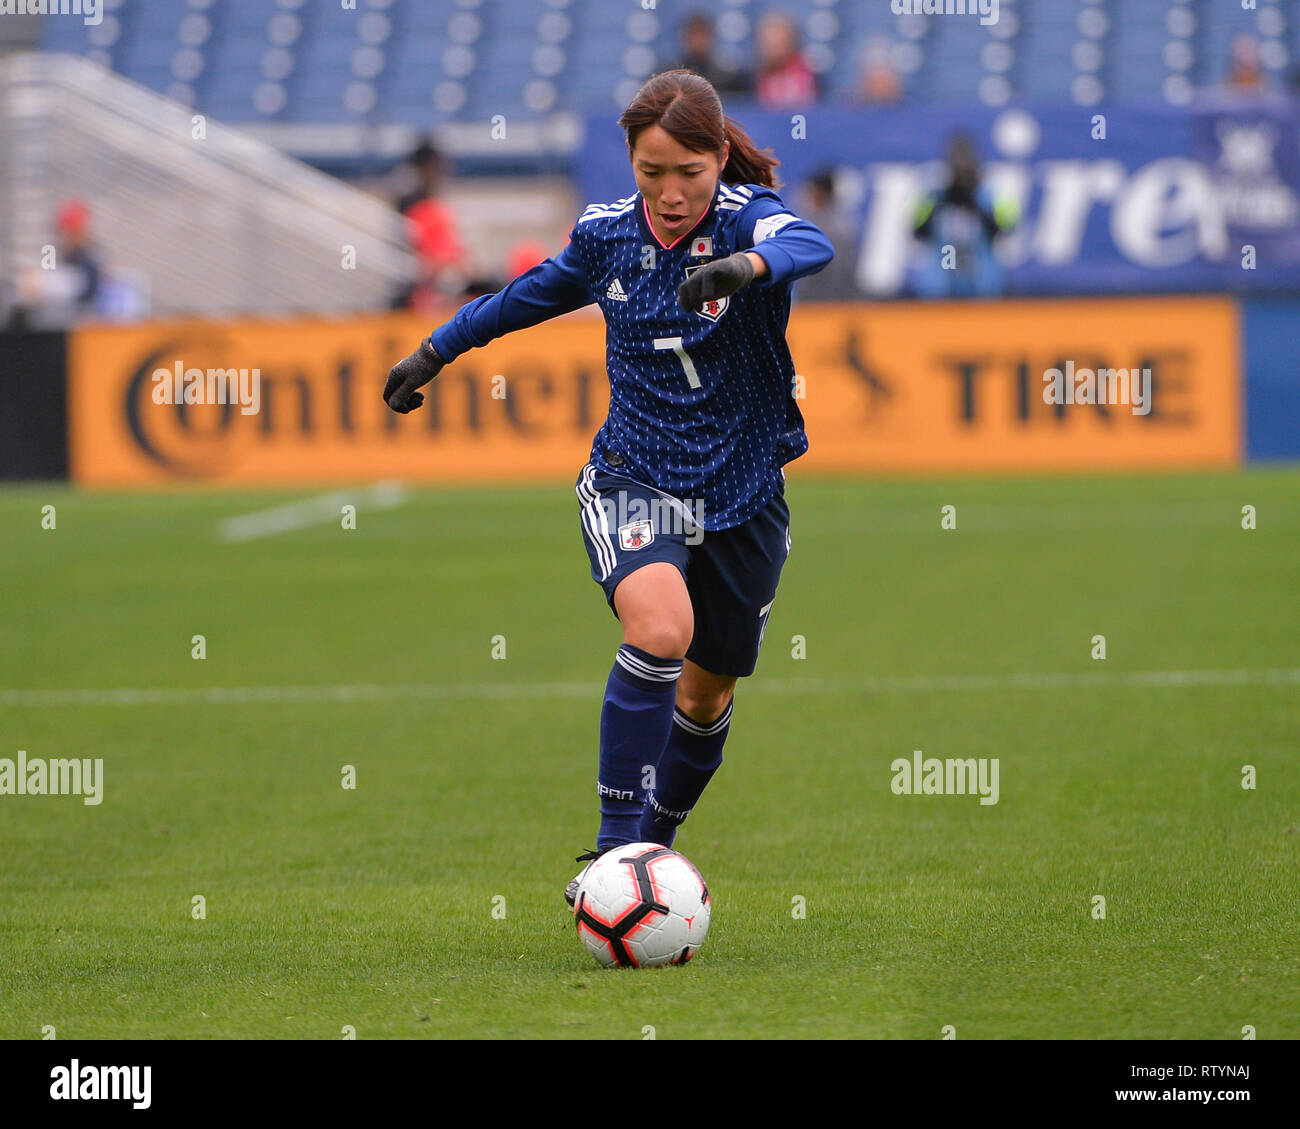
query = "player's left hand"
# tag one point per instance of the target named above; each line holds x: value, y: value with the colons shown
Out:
x: 409, y: 374
x: 718, y: 279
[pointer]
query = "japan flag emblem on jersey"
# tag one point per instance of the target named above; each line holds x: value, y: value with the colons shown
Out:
x: 636, y: 534
x: 714, y: 308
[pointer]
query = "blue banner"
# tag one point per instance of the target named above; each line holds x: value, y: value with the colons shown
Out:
x: 1113, y: 198
x: 1272, y: 377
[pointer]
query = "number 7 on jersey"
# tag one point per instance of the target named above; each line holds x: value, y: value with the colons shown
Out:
x: 675, y: 344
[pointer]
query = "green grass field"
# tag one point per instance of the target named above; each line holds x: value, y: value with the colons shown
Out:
x: 372, y: 907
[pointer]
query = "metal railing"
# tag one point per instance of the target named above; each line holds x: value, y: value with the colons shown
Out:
x: 218, y: 222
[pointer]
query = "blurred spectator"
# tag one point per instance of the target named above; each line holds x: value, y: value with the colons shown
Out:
x: 785, y: 80
x: 524, y: 255
x: 421, y: 295
x: 68, y: 283
x: 431, y: 227
x: 835, y: 282
x: 76, y: 255
x: 698, y: 55
x: 478, y: 285
x: 959, y: 223
x: 1245, y: 74
x: 878, y: 81
x: 432, y: 230
x: 419, y: 176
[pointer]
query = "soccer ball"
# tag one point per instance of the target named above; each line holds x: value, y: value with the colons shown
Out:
x: 642, y: 906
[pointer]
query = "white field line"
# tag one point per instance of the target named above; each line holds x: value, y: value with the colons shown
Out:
x: 310, y: 511
x: 923, y: 683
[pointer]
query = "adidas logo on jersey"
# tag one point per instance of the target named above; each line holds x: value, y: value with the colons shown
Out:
x: 616, y: 293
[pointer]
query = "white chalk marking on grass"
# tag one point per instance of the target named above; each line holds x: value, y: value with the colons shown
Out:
x: 927, y: 683
x: 361, y: 692
x: 365, y: 692
x: 311, y: 511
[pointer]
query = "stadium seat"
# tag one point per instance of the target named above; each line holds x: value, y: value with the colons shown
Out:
x: 426, y: 61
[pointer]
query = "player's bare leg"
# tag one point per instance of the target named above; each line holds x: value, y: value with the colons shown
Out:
x: 654, y: 608
x: 703, y: 695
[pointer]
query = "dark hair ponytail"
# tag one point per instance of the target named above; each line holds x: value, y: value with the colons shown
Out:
x: 688, y: 109
x: 747, y: 164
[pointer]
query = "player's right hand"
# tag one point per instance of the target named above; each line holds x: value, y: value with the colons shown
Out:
x: 409, y: 374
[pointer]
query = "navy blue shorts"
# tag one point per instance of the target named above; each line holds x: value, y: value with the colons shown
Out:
x: 731, y: 574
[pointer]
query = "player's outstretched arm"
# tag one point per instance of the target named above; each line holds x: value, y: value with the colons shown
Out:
x: 554, y: 287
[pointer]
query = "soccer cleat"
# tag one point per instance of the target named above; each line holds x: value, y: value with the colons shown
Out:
x: 571, y: 890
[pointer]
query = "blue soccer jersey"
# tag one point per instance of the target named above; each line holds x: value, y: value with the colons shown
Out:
x: 701, y: 403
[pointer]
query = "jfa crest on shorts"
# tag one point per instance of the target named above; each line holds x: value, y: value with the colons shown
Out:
x: 636, y: 534
x: 731, y: 574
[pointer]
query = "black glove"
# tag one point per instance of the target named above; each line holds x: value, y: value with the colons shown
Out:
x: 718, y: 279
x: 407, y: 375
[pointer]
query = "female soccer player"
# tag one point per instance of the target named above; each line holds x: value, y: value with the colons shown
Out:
x: 683, y: 506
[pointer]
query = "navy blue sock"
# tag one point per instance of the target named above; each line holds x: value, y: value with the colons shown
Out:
x: 693, y: 755
x: 634, y: 722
